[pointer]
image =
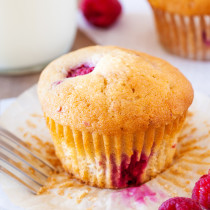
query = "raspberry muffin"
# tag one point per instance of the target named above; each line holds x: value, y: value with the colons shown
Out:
x: 114, y: 114
x: 184, y: 27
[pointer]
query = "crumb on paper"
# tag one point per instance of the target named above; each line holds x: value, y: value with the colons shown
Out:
x: 20, y: 129
x: 201, y: 172
x: 30, y: 124
x: 206, y: 123
x: 83, y: 195
x: 25, y: 134
x: 65, y: 185
x: 93, y: 197
x: 43, y: 190
x: 69, y: 196
x: 80, y: 197
x: 193, y: 130
x: 36, y: 115
x: 89, y: 208
x: 190, y: 114
x: 61, y: 191
x: 187, y: 190
x: 187, y: 182
x: 32, y: 171
x: 39, y: 141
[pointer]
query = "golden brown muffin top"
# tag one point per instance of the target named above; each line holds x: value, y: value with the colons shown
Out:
x: 183, y: 7
x: 126, y: 92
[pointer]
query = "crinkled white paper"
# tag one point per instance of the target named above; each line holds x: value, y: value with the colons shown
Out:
x: 24, y: 118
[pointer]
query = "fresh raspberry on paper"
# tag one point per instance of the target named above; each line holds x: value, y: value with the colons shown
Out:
x: 201, y: 191
x: 180, y: 203
x: 101, y: 13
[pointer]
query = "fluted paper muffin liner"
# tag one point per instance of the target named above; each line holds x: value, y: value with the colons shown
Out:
x: 186, y: 36
x: 115, y: 161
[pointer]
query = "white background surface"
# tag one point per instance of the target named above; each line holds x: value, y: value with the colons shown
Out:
x: 136, y: 30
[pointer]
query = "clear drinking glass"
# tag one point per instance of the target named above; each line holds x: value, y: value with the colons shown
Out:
x: 34, y: 32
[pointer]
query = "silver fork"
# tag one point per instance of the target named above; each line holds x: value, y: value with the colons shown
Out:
x: 22, y: 164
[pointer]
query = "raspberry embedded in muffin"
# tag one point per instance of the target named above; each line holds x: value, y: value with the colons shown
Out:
x: 130, y: 170
x: 205, y: 39
x: 81, y: 70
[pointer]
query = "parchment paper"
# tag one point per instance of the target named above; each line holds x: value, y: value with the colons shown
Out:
x: 24, y: 119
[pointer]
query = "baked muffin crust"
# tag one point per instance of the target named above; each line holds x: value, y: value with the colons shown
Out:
x: 127, y: 91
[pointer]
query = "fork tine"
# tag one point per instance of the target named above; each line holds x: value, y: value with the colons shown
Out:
x: 23, y: 145
x: 5, y: 171
x: 15, y: 153
x: 15, y: 165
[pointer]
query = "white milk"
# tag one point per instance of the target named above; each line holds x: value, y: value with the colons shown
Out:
x: 34, y: 32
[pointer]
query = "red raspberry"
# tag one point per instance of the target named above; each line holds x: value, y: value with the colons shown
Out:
x: 81, y: 70
x: 180, y: 203
x: 101, y: 13
x: 201, y: 191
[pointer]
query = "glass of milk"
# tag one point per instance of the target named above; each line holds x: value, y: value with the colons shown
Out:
x: 34, y: 32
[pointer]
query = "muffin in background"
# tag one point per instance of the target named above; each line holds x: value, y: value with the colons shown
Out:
x: 114, y: 114
x: 183, y: 27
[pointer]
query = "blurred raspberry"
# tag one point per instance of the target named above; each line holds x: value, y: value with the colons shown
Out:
x: 201, y: 191
x: 180, y: 203
x: 101, y: 13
